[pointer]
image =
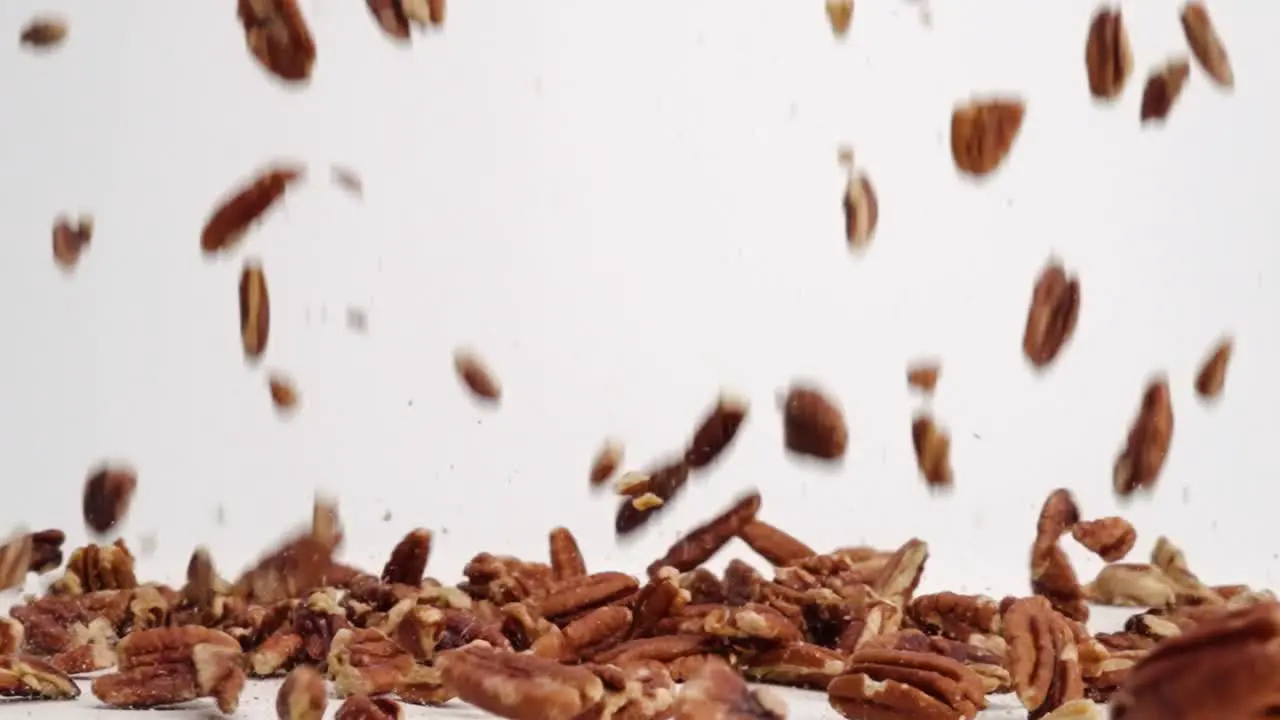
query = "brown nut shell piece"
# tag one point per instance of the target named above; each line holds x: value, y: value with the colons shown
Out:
x: 983, y: 132
x: 1110, y: 538
x: 476, y: 376
x: 277, y: 34
x: 933, y: 451
x: 1138, y: 466
x: 1206, y: 45
x: 813, y: 425
x: 1213, y: 374
x: 861, y: 211
x: 108, y: 491
x: 43, y: 32
x: 716, y: 432
x: 1163, y: 88
x: 1108, y: 57
x: 255, y: 311
x: 1051, y: 319
x: 237, y: 213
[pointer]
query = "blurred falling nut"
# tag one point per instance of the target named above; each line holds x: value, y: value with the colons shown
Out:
x: 1213, y: 374
x: 255, y: 310
x: 1164, y: 86
x: 606, y: 462
x: 813, y: 425
x: 276, y: 33
x: 108, y: 491
x: 1139, y: 465
x: 983, y: 131
x: 284, y: 394
x: 716, y: 431
x: 861, y: 211
x: 923, y: 375
x: 1051, y: 318
x: 1110, y: 538
x: 475, y: 374
x: 933, y: 451
x: 44, y: 32
x: 348, y: 179
x: 237, y: 212
x: 69, y: 240
x: 1108, y: 58
x: 840, y: 15
x: 1206, y: 45
x: 303, y: 695
x: 15, y: 560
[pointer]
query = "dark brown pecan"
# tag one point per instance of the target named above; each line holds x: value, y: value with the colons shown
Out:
x: 813, y: 425
x: 1138, y: 466
x: 255, y: 310
x: 107, y: 493
x: 923, y: 375
x: 276, y: 33
x: 954, y: 616
x: 933, y: 451
x: 1052, y: 574
x: 395, y: 17
x: 742, y: 583
x: 28, y: 677
x: 580, y: 594
x: 1164, y: 85
x: 167, y: 645
x: 408, y: 560
x: 898, y: 683
x: 518, y: 686
x: 704, y: 541
x: 70, y: 240
x: 717, y: 692
x: 1108, y: 58
x: 363, y: 707
x: 716, y: 431
x: 665, y: 483
x: 1227, y: 667
x: 46, y: 550
x: 589, y: 635
x: 773, y: 544
x: 237, y: 213
x: 1051, y: 319
x: 1206, y: 45
x: 1043, y: 658
x: 15, y: 561
x: 43, y: 32
x: 1110, y: 538
x: 606, y: 462
x: 566, y: 558
x: 657, y: 600
x: 1213, y: 373
x: 861, y: 210
x: 476, y: 375
x: 982, y: 133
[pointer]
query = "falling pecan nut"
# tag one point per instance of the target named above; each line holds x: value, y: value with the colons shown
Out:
x: 70, y: 240
x: 861, y: 211
x: 284, y: 394
x: 237, y: 213
x: 772, y: 544
x: 1213, y: 373
x: 1052, y: 574
x: 933, y: 451
x: 1206, y: 45
x: 276, y: 32
x: 923, y: 375
x: 704, y: 541
x: 1162, y: 90
x: 716, y: 432
x: 255, y: 310
x: 664, y: 483
x: 409, y: 558
x: 840, y: 15
x: 518, y: 686
x: 606, y: 462
x: 1110, y: 538
x: 108, y: 491
x: 1043, y: 658
x: 1138, y: 466
x: 899, y: 683
x: 1051, y: 319
x: 813, y: 425
x: 363, y: 707
x: 566, y: 556
x: 983, y: 132
x: 44, y: 32
x: 477, y: 376
x: 1107, y: 56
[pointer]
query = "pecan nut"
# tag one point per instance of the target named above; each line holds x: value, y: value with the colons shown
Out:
x: 1206, y: 45
x: 1110, y: 538
x: 255, y: 310
x: 795, y: 664
x: 28, y: 677
x: 1051, y: 319
x: 773, y: 544
x: 1132, y: 584
x: 958, y: 617
x: 861, y: 211
x: 665, y: 483
x: 107, y: 494
x: 933, y: 451
x: 237, y: 213
x: 1139, y: 465
x: 367, y: 662
x: 716, y: 431
x: 1044, y: 661
x: 363, y: 707
x: 408, y: 560
x: 277, y: 34
x: 1163, y: 88
x: 476, y: 375
x: 15, y: 560
x: 1213, y: 374
x: 70, y: 240
x: 716, y: 690
x: 813, y: 424
x: 566, y: 557
x: 899, y: 683
x: 606, y: 461
x: 44, y: 32
x: 704, y: 541
x: 982, y: 133
x: 518, y: 686
x: 1108, y: 58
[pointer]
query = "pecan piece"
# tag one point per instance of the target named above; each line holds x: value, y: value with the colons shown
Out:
x: 715, y: 691
x: 1108, y: 58
x: 408, y: 560
x: 933, y: 451
x: 753, y: 621
x: 1225, y: 668
x: 606, y: 462
x: 237, y: 213
x: 716, y: 431
x: 1138, y: 466
x: 1051, y: 319
x: 861, y: 211
x: 795, y: 664
x: 70, y: 240
x: 898, y: 683
x: 923, y: 375
x: 284, y: 393
x: 1206, y: 45
x: 43, y: 32
x: 1131, y: 584
x: 955, y: 616
x: 28, y: 677
x: 814, y: 426
x: 46, y: 550
x: 982, y: 133
x: 1043, y: 658
x: 518, y: 686
x: 1169, y: 558
x: 276, y: 33
x: 579, y: 594
x: 1052, y: 574
x: 107, y: 494
x: 664, y: 483
x: 97, y: 567
x: 255, y: 310
x: 363, y: 707
x: 773, y: 544
x: 367, y: 662
x: 15, y: 561
x: 704, y: 541
x: 840, y: 15
x: 476, y: 376
x: 1110, y: 538
x: 1163, y: 88
x: 12, y: 635
x: 566, y: 557
x: 1213, y: 373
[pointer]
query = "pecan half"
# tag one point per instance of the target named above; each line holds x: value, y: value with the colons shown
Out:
x: 1138, y: 466
x: 107, y: 493
x: 97, y: 567
x: 1163, y: 88
x: 566, y: 557
x: 277, y: 34
x: 1213, y: 373
x: 933, y: 451
x: 840, y: 15
x: 773, y: 544
x: 1132, y: 584
x: 923, y: 375
x: 955, y: 616
x: 1206, y: 45
x: 477, y: 376
x: 237, y: 213
x: 46, y: 550
x: 982, y: 133
x: 367, y: 662
x: 43, y: 32
x: 70, y: 240
x: 1051, y: 319
x: 795, y: 664
x: 1110, y: 538
x: 28, y: 677
x: 255, y: 310
x: 1043, y: 659
x: 701, y: 543
x: 814, y: 425
x: 408, y: 560
x: 579, y: 594
x: 1052, y: 574
x: 861, y: 211
x: 606, y: 462
x: 518, y: 686
x: 15, y: 561
x: 898, y: 683
x: 716, y: 432
x: 1108, y: 58
x: 665, y: 483
x: 715, y: 691
x: 1169, y: 558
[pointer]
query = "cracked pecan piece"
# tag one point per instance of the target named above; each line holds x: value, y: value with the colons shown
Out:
x: 716, y: 691
x: 923, y: 375
x: 168, y: 666
x: 1051, y: 319
x: 1110, y: 538
x: 1132, y: 584
x: 606, y: 462
x: 987, y: 663
x: 1044, y: 661
x: 933, y: 451
x: 716, y: 431
x: 664, y: 483
x: 70, y: 240
x: 1213, y: 373
x: 97, y: 567
x: 108, y: 491
x: 409, y: 558
x: 813, y: 425
x: 303, y: 695
x: 704, y: 541
x: 277, y: 34
x: 1164, y: 87
x: 1138, y: 466
x: 518, y: 686
x: 31, y: 678
x: 884, y: 684
x: 15, y: 561
x: 236, y: 213
x: 1052, y: 574
x: 1108, y: 57
x: 955, y: 616
x: 367, y: 662
x: 982, y: 133
x: 639, y: 691
x: 797, y: 664
x: 566, y: 557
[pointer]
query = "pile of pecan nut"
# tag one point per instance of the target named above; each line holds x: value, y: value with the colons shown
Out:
x: 530, y: 639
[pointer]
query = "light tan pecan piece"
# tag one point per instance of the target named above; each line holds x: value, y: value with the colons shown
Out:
x: 1043, y: 657
x: 424, y: 686
x: 236, y: 213
x: 701, y: 543
x: 1169, y: 558
x: 1052, y: 574
x: 754, y: 621
x: 1133, y: 585
x: 363, y: 707
x: 408, y: 559
x: 897, y: 683
x: 1206, y: 45
x: 716, y: 431
x: 566, y: 557
x: 414, y: 627
x: 276, y: 33
x: 277, y: 653
x: 861, y: 210
x: 637, y: 691
x: 367, y: 662
x: 798, y: 664
x: 955, y: 616
x: 28, y: 677
x: 1110, y: 538
x: 717, y: 692
x: 594, y: 632
x: 518, y: 686
x: 1226, y: 668
x: 15, y: 560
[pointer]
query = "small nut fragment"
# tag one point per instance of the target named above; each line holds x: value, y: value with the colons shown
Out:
x: 1051, y: 319
x: 237, y: 213
x: 647, y: 501
x: 1206, y: 45
x: 347, y: 179
x: 108, y: 491
x: 665, y: 483
x: 276, y: 33
x: 1132, y: 584
x: 303, y: 696
x: 284, y: 395
x: 69, y: 240
x: 933, y: 451
x: 840, y: 15
x: 44, y: 32
x: 982, y: 133
x: 772, y: 544
x: 255, y: 310
x: 475, y: 374
x: 923, y: 375
x: 606, y: 461
x: 1110, y: 538
x: 861, y: 211
x: 813, y: 425
x: 1139, y: 465
x: 716, y: 432
x: 1213, y: 374
x: 1082, y: 709
x: 1163, y: 88
x: 1107, y: 55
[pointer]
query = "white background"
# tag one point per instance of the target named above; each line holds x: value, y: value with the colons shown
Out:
x: 625, y: 207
